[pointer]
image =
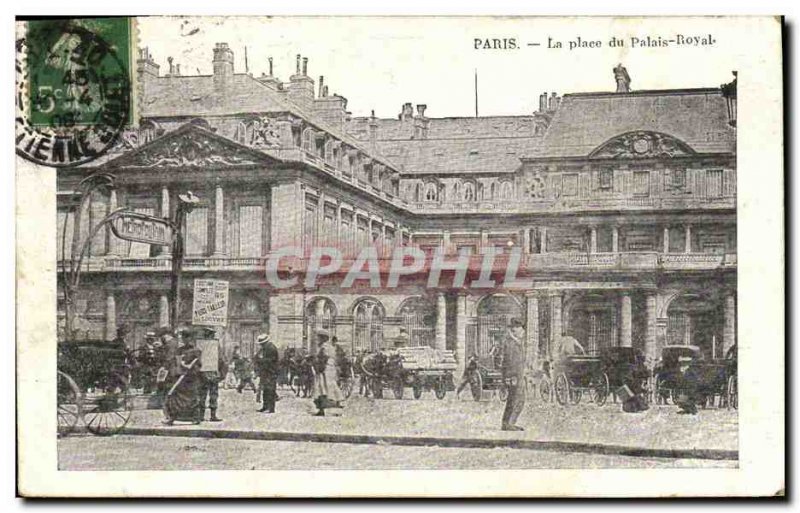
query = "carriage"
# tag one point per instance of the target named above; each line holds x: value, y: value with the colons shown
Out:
x: 487, y: 378
x: 93, y: 387
x: 576, y: 375
x: 421, y: 368
x: 711, y: 378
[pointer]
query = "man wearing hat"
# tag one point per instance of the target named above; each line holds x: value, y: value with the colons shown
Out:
x: 688, y: 396
x: 212, y: 371
x: 266, y: 367
x: 513, y: 367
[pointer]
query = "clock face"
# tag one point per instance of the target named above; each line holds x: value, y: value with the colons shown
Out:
x: 641, y: 145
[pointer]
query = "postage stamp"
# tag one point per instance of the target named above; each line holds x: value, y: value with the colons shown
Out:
x: 74, y: 88
x: 556, y: 269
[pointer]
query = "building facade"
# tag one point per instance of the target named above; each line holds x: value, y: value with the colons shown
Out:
x: 621, y: 205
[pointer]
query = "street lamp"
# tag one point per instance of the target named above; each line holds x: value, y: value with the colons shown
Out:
x: 186, y: 203
x: 729, y: 93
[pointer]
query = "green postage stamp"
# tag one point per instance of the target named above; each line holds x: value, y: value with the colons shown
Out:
x: 74, y: 88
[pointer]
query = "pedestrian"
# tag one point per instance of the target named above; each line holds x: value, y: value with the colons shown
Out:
x: 183, y: 398
x: 213, y: 371
x: 514, y: 374
x: 467, y: 376
x: 267, y: 367
x: 327, y: 393
x: 688, y: 395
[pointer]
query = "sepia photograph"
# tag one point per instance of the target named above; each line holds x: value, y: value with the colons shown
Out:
x: 358, y: 244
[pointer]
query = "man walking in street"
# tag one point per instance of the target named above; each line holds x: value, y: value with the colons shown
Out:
x: 513, y: 367
x: 267, y: 368
x: 213, y: 371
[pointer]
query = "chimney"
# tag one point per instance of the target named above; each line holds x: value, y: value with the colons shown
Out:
x: 223, y: 67
x: 321, y: 86
x: 301, y: 86
x: 373, y: 131
x: 407, y: 112
x: 421, y: 123
x: 171, y: 67
x: 622, y: 78
x: 270, y: 67
x: 270, y: 80
x: 552, y: 104
x: 177, y: 70
x: 543, y: 102
x: 145, y: 65
x: 421, y: 109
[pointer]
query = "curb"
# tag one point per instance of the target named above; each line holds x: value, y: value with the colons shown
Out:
x: 427, y: 441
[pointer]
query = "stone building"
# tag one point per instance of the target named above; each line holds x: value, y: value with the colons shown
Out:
x: 623, y: 205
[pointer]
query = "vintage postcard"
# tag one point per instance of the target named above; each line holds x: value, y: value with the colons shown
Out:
x: 402, y: 257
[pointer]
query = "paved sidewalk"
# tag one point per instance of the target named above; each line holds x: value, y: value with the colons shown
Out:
x: 659, y: 432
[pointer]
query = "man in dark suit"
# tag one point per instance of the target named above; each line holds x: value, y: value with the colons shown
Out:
x: 267, y: 369
x: 513, y: 367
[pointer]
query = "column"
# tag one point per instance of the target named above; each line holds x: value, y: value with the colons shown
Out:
x: 339, y: 228
x: 219, y: 222
x: 543, y: 241
x: 526, y: 240
x: 729, y: 323
x: 320, y: 221
x: 555, y: 323
x: 163, y: 310
x: 484, y: 238
x: 687, y: 241
x: 111, y: 317
x: 166, y: 251
x: 532, y: 329
x: 665, y: 238
x: 593, y: 239
x: 461, y: 333
x: 650, y: 347
x: 625, y: 338
x: 615, y: 239
x: 446, y: 242
x: 112, y: 240
x: 441, y: 322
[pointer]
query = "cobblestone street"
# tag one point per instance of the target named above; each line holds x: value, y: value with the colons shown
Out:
x: 659, y: 428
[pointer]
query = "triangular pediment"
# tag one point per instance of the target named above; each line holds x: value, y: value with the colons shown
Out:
x: 190, y: 146
x: 641, y: 144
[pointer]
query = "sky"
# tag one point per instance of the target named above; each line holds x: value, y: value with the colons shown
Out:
x: 380, y: 62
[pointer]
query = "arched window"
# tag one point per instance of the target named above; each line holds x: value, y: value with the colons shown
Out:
x: 431, y: 192
x: 469, y: 191
x: 418, y: 316
x: 308, y: 142
x: 493, y: 191
x: 320, y: 315
x: 368, y: 315
x: 507, y: 190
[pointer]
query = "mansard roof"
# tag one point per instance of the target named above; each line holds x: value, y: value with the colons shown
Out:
x: 586, y: 121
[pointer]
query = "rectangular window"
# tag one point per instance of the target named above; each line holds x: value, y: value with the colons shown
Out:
x: 310, y: 223
x: 678, y: 178
x: 606, y: 179
x: 139, y: 249
x: 196, y: 238
x: 65, y: 251
x: 346, y: 234
x: 569, y: 185
x: 714, y: 183
x: 641, y: 183
x: 251, y: 225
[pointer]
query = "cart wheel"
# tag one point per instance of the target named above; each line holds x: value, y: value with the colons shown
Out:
x: 397, y: 388
x: 108, y: 412
x: 502, y: 393
x: 417, y: 389
x: 575, y: 395
x: 69, y: 403
x: 601, y: 390
x: 476, y: 385
x: 562, y: 391
x: 441, y: 388
x: 733, y: 393
x: 546, y: 389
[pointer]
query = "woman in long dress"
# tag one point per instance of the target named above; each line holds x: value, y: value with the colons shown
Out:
x: 183, y: 400
x: 327, y: 393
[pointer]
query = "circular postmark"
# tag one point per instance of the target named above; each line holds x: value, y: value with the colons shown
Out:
x: 72, y: 97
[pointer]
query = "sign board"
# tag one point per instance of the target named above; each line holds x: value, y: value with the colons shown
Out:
x: 210, y: 305
x: 137, y: 227
x: 209, y: 354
